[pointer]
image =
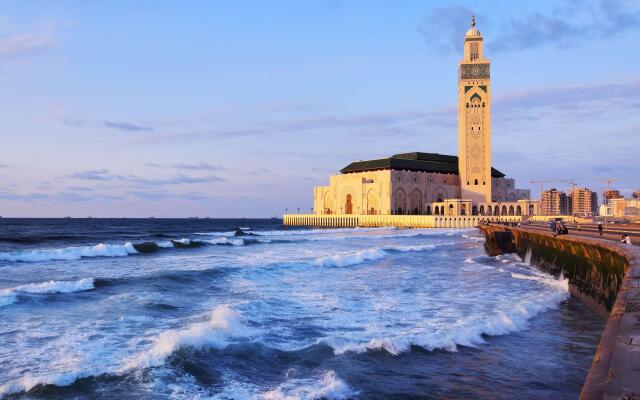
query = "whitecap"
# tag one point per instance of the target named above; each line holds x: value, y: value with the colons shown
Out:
x: 347, y: 259
x: 510, y: 317
x: 69, y: 253
x: 222, y: 325
x: 9, y: 296
x: 327, y: 386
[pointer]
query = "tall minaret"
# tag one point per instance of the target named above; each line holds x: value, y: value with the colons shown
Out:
x: 474, y: 120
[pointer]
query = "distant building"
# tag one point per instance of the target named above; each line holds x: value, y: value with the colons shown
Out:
x: 610, y: 194
x: 554, y: 202
x: 622, y: 208
x: 636, y: 194
x: 584, y: 202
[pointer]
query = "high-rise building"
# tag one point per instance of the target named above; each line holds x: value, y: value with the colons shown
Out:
x: 584, y: 202
x: 554, y: 202
x: 610, y: 194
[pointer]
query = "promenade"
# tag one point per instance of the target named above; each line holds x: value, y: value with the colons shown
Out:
x: 589, y: 263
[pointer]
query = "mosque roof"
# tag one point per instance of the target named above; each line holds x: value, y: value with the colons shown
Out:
x: 425, y: 162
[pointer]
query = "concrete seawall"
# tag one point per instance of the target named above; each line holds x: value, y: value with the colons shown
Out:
x: 605, y: 276
x: 404, y: 221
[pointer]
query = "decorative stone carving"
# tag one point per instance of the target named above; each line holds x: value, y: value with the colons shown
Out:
x: 474, y: 71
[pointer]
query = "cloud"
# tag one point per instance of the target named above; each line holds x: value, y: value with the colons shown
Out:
x: 104, y: 175
x: 6, y: 195
x: 444, y: 27
x: 568, y: 24
x: 23, y: 44
x: 80, y: 189
x: 4, y: 166
x: 127, y: 126
x: 92, y: 175
x: 199, y: 166
x: 585, y: 100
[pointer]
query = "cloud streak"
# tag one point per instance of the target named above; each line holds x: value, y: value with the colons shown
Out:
x: 566, y: 25
x: 179, y: 179
x: 199, y: 166
x: 127, y: 126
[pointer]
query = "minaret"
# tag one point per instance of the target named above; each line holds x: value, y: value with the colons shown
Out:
x: 474, y: 120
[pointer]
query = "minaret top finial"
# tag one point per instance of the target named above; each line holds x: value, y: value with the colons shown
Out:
x: 473, y: 21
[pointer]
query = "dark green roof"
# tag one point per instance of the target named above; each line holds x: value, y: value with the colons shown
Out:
x: 426, y: 162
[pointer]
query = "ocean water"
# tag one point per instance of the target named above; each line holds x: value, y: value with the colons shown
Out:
x: 196, y: 309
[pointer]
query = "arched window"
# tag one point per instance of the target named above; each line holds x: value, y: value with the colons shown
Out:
x: 428, y: 210
x: 450, y: 209
x: 518, y: 210
x: 463, y: 209
x: 504, y: 210
x: 531, y: 209
x: 481, y: 210
x: 474, y: 210
x: 511, y: 211
x: 475, y: 182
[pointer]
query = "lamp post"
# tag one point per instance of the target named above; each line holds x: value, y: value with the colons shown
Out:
x: 286, y: 211
x: 298, y: 210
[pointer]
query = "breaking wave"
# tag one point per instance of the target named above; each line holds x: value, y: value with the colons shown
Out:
x: 69, y: 253
x: 10, y: 296
x: 352, y: 258
x: 222, y: 325
x: 328, y: 386
x: 467, y: 332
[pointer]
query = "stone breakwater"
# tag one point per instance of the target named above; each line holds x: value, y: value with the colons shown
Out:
x: 604, y: 275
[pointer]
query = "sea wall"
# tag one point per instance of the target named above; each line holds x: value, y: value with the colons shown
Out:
x: 404, y: 221
x: 606, y: 277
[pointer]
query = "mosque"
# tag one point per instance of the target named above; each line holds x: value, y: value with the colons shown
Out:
x: 430, y: 183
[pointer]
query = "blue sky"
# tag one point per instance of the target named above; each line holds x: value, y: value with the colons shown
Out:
x: 238, y: 108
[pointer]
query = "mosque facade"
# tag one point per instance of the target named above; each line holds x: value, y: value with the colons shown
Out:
x: 435, y: 184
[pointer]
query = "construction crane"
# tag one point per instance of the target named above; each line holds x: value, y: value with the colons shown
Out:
x: 571, y: 182
x: 608, y: 181
x: 542, y: 182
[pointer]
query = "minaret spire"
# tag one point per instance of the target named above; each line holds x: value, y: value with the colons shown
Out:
x: 473, y: 21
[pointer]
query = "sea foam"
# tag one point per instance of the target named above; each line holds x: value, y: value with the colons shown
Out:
x: 69, y: 253
x: 10, y: 296
x: 327, y: 386
x: 512, y: 317
x: 222, y: 325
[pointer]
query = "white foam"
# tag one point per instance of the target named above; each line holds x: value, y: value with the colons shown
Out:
x: 225, y: 240
x: 69, y: 253
x: 466, y: 332
x: 327, y: 386
x: 28, y: 382
x: 547, y: 280
x: 347, y: 259
x: 9, y: 296
x: 223, y: 323
x: 166, y: 244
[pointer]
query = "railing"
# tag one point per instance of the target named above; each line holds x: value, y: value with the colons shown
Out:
x: 405, y: 221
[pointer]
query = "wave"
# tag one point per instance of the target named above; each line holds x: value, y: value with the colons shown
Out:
x: 327, y: 386
x: 69, y: 253
x: 544, y: 279
x: 352, y: 258
x: 10, y: 296
x: 468, y: 332
x: 118, y: 250
x: 222, y: 325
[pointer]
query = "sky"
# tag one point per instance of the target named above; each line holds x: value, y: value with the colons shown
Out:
x: 238, y: 108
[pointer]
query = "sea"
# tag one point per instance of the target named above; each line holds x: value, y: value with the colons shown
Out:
x: 251, y: 309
